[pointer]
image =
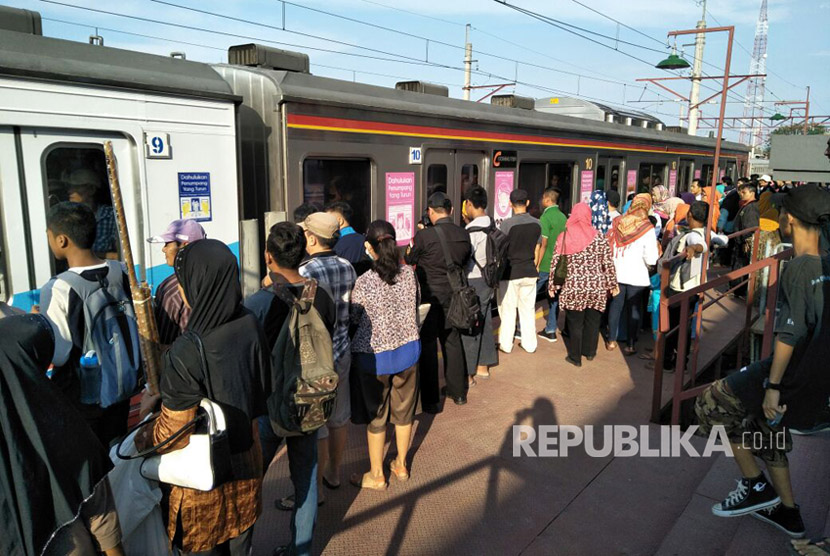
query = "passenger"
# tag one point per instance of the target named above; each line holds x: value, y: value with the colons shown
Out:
x: 222, y: 357
x: 553, y: 224
x: 56, y: 498
x: 427, y: 255
x: 673, y: 225
x: 634, y: 249
x: 386, y: 350
x: 85, y: 187
x: 285, y: 248
x: 170, y: 310
x: 748, y: 217
x: 789, y: 389
x: 659, y: 195
x: 337, y: 277
x: 688, y: 197
x: 303, y: 211
x: 613, y: 205
x: 7, y: 310
x: 517, y: 289
x: 479, y: 345
x: 600, y: 219
x: 350, y: 246
x: 696, y: 189
x: 71, y: 234
x: 590, y: 278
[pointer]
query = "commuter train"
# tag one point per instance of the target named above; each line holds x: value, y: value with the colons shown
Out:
x: 240, y: 145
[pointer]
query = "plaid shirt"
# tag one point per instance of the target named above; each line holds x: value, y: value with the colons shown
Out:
x: 337, y: 277
x: 106, y: 231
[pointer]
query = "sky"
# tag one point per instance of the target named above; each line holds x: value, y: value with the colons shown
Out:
x: 385, y: 41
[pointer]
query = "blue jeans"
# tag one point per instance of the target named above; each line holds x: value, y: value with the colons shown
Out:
x: 302, y: 465
x: 553, y: 314
x: 624, y: 316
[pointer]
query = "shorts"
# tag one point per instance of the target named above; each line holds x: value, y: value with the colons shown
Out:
x: 382, y: 399
x: 744, y: 424
x: 343, y: 400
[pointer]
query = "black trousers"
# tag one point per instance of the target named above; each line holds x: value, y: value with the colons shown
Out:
x: 237, y: 546
x: 434, y: 332
x: 583, y: 333
x: 670, y: 357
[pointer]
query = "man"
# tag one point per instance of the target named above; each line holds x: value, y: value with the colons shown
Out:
x: 84, y: 187
x: 517, y: 290
x: 695, y: 189
x: 350, y: 246
x: 748, y: 216
x: 764, y: 182
x: 171, y: 312
x: 285, y: 248
x: 337, y: 277
x: 613, y: 198
x: 552, y: 224
x: 479, y: 346
x: 71, y: 232
x: 302, y: 212
x: 427, y: 255
x: 789, y: 389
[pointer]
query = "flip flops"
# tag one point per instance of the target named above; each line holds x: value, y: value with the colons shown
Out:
x: 367, y: 482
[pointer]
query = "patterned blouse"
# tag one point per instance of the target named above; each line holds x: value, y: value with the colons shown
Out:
x: 386, y: 316
x: 591, y: 276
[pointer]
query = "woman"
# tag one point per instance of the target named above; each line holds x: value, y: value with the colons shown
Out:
x: 590, y: 278
x: 672, y: 225
x: 600, y: 219
x: 238, y: 364
x: 54, y: 493
x: 385, y: 351
x: 659, y: 195
x: 634, y: 249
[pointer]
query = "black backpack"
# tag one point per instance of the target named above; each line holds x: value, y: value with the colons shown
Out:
x: 464, y: 312
x: 496, y: 254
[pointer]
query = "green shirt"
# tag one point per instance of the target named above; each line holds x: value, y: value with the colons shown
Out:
x: 553, y: 224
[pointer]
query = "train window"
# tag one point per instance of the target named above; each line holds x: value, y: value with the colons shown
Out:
x: 436, y: 179
x: 560, y: 176
x: 600, y: 183
x: 615, y: 178
x: 706, y: 174
x: 469, y: 177
x: 79, y: 174
x: 650, y: 176
x: 532, y: 180
x: 326, y: 180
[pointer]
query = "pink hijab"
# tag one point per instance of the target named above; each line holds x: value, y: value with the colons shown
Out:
x: 578, y: 232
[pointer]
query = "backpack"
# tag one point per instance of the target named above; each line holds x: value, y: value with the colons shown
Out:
x: 680, y: 269
x: 464, y: 312
x: 496, y: 250
x: 305, y: 382
x: 111, y: 332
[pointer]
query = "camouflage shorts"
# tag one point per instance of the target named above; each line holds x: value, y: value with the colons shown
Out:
x: 717, y: 405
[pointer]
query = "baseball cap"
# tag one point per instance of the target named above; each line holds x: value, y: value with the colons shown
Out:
x: 809, y: 203
x: 765, y: 177
x: 518, y: 197
x: 186, y: 231
x: 323, y: 224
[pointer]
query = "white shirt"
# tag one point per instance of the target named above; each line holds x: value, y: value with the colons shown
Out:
x: 694, y: 237
x: 479, y: 243
x: 612, y: 214
x: 633, y: 260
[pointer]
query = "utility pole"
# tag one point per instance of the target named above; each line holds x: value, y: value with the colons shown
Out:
x: 697, y: 70
x: 807, y: 113
x: 468, y: 63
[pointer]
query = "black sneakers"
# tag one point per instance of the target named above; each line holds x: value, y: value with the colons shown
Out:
x: 783, y: 518
x: 751, y: 495
x: 549, y: 336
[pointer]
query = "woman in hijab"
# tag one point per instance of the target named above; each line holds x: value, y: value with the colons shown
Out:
x: 54, y: 493
x: 672, y: 225
x: 688, y: 198
x: 634, y: 249
x: 590, y: 278
x: 600, y: 219
x: 238, y: 366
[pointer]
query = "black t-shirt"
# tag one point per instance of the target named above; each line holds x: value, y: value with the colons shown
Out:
x: 523, y: 233
x: 428, y: 257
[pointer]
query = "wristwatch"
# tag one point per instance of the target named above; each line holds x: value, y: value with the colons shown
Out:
x: 771, y: 385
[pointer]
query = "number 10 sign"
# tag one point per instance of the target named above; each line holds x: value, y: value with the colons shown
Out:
x: 157, y: 145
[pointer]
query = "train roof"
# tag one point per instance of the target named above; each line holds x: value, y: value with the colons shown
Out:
x: 307, y: 88
x: 36, y: 56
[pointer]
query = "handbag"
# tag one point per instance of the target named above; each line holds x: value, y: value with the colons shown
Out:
x: 205, y: 463
x: 560, y: 273
x: 464, y: 311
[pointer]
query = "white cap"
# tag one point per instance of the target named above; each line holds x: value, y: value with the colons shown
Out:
x: 765, y: 177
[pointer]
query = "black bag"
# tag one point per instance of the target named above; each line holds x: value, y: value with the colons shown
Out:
x: 465, y: 308
x: 560, y: 273
x: 496, y: 250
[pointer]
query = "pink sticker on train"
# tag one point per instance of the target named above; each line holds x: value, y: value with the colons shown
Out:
x: 631, y: 183
x: 400, y: 204
x: 672, y: 182
x: 586, y: 185
x: 504, y: 185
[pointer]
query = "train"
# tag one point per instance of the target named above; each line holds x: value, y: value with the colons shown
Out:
x: 240, y: 145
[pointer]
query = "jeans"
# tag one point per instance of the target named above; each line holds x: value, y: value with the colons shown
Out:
x: 517, y: 295
x: 302, y: 465
x: 553, y: 314
x: 625, y: 306
x: 480, y: 347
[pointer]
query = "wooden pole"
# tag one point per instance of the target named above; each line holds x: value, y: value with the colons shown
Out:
x: 142, y: 299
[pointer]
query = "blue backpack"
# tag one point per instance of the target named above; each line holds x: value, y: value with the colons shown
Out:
x: 111, y: 332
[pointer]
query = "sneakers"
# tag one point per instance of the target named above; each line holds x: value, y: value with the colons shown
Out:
x: 784, y: 519
x: 549, y: 336
x: 751, y: 495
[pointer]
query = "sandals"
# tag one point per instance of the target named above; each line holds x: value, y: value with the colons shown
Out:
x: 610, y: 346
x: 629, y: 351
x: 400, y: 472
x: 804, y: 547
x: 287, y: 504
x: 366, y: 481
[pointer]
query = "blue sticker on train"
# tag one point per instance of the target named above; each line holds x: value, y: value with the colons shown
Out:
x: 194, y: 196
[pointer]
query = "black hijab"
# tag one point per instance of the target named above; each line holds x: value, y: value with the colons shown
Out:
x: 50, y: 460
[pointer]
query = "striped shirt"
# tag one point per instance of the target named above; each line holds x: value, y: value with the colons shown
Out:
x: 337, y: 276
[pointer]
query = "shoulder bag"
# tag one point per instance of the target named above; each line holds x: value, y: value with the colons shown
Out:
x: 560, y: 273
x: 464, y: 312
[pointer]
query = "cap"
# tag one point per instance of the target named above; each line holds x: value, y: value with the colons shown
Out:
x: 186, y: 231
x: 323, y: 224
x: 809, y: 203
x: 765, y: 177
x: 518, y: 197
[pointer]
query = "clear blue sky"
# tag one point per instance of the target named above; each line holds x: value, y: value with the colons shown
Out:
x: 798, y: 51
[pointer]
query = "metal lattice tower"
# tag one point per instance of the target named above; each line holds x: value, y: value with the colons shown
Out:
x: 752, y: 128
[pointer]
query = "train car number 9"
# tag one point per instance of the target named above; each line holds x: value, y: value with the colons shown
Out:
x: 157, y: 145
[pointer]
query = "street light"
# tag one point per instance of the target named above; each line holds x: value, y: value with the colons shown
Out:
x: 777, y: 117
x: 673, y: 62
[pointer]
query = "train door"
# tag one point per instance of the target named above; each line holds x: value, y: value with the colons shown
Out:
x: 608, y: 173
x: 56, y: 166
x: 452, y: 172
x: 561, y: 175
x: 684, y: 174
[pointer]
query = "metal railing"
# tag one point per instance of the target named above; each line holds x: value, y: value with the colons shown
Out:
x: 683, y: 388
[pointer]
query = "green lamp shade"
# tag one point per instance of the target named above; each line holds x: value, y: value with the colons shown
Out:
x: 777, y: 117
x: 673, y: 62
